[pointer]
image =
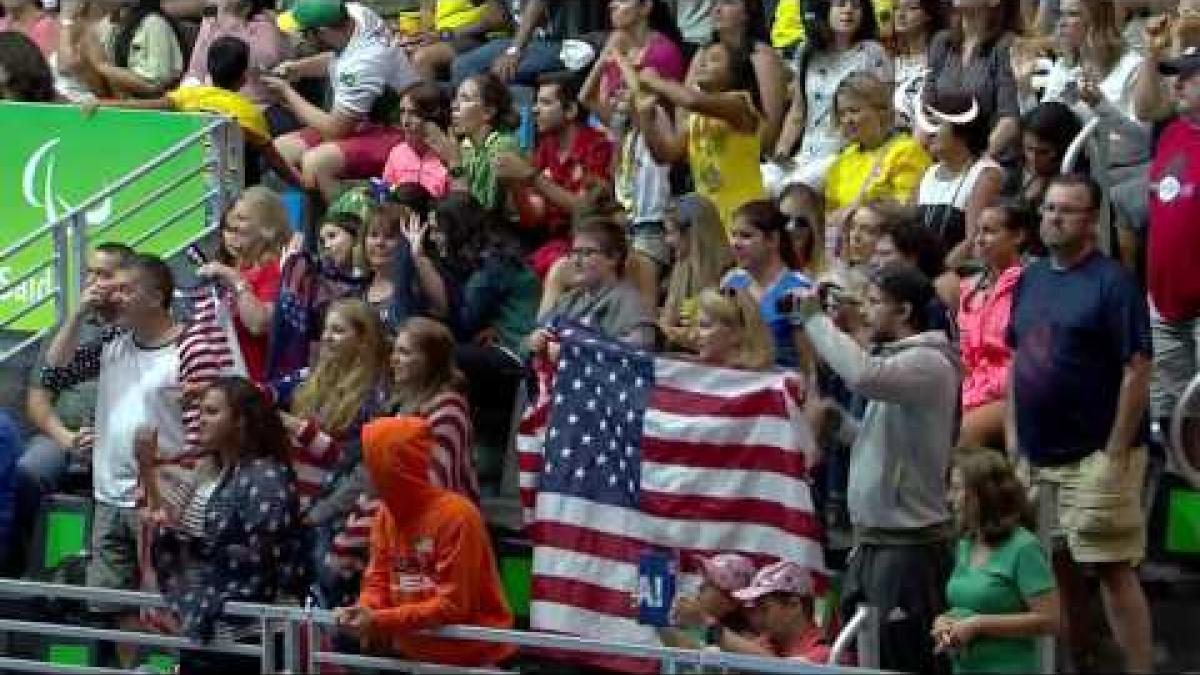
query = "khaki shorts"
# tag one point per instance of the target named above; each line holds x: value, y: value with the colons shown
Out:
x: 114, y: 554
x: 1099, y: 507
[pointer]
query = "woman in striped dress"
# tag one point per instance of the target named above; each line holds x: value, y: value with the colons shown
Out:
x: 426, y: 383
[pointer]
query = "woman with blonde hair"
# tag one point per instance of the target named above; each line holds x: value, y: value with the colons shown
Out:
x: 730, y: 330
x: 878, y: 161
x: 328, y: 403
x: 425, y: 382
x: 701, y: 257
x: 253, y: 235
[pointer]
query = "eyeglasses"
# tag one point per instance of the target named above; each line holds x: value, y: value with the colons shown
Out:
x: 586, y: 252
x: 1064, y: 210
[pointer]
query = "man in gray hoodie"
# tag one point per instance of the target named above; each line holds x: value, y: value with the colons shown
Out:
x: 899, y: 459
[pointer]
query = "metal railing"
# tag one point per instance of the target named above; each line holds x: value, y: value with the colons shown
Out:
x: 72, y: 236
x: 298, y: 628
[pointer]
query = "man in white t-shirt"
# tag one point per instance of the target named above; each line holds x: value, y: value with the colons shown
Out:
x: 367, y: 72
x: 137, y: 367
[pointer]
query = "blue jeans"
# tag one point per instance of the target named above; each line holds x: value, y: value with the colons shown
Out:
x: 39, y: 471
x: 540, y: 56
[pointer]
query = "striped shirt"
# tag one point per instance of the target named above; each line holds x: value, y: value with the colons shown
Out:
x: 452, y: 468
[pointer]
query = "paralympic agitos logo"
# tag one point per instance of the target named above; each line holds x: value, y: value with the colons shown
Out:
x: 39, y: 188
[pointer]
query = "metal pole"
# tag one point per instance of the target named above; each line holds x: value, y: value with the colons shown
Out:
x: 79, y: 251
x: 267, y: 640
x: 868, y: 639
x: 62, y: 274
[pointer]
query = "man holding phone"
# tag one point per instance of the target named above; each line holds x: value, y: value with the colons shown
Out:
x: 367, y: 71
x: 899, y: 458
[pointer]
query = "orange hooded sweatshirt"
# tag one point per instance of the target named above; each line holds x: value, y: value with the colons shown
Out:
x: 431, y: 560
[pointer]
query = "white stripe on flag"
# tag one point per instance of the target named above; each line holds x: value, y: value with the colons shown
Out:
x: 562, y: 618
x: 554, y: 507
x: 675, y: 479
x: 774, y: 432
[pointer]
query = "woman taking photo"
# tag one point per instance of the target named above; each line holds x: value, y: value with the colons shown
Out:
x: 483, y: 116
x: 972, y: 57
x: 1006, y: 230
x: 766, y: 269
x: 1001, y: 593
x: 842, y: 40
x: 413, y: 160
x: 145, y: 58
x: 701, y: 256
x: 235, y: 540
x: 953, y: 192
x: 253, y: 235
x: 915, y: 24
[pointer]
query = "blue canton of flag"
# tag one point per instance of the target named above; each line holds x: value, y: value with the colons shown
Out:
x: 594, y: 435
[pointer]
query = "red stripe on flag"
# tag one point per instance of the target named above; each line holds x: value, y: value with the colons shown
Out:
x: 731, y: 510
x: 582, y: 594
x: 760, y: 403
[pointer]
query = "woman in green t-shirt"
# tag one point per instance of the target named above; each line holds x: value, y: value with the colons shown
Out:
x: 1001, y: 594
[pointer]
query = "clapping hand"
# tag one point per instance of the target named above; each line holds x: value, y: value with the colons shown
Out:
x: 511, y: 166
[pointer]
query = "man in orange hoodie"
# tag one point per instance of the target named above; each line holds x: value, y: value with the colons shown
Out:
x: 431, y: 560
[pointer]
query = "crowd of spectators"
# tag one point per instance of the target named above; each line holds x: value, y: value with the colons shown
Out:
x: 965, y: 224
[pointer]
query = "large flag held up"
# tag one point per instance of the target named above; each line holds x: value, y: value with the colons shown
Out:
x: 623, y: 452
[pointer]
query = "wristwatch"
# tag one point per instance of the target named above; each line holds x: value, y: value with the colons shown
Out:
x: 457, y: 171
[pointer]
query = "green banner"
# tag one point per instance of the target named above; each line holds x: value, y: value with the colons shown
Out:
x: 53, y: 158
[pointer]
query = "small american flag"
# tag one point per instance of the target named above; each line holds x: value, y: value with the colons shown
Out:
x: 624, y: 452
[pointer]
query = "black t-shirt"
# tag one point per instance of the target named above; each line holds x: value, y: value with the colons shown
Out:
x: 1072, y: 333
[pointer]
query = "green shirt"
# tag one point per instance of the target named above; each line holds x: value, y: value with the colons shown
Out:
x: 1014, y: 573
x: 480, y: 172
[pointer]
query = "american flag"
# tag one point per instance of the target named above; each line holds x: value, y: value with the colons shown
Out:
x: 623, y: 452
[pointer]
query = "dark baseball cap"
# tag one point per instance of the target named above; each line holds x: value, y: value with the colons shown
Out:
x: 1186, y: 64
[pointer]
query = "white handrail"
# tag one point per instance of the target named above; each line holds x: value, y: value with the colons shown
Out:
x: 298, y: 616
x: 849, y: 633
x: 157, y: 161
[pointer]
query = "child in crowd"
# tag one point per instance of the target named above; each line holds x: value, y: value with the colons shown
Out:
x: 697, y: 616
x: 780, y: 605
x: 339, y: 238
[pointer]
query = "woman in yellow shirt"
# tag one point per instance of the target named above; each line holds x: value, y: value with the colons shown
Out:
x: 879, y: 162
x: 720, y: 140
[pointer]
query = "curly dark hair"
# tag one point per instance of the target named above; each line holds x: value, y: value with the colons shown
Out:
x: 260, y: 431
x: 816, y: 24
x: 995, y: 502
x: 27, y: 75
x: 472, y: 234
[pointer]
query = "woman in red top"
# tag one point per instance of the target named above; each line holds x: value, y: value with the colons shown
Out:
x: 253, y: 235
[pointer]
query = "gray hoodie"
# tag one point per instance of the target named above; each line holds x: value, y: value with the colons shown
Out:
x: 901, y: 452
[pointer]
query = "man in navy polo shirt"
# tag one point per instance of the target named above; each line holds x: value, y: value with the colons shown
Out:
x: 1080, y: 333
